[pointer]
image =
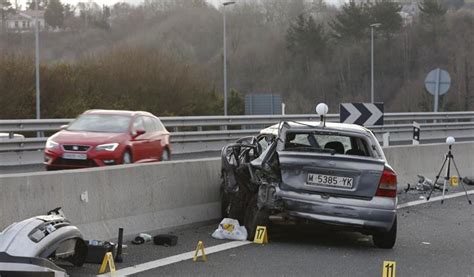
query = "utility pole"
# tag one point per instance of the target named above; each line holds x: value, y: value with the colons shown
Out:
x: 372, y: 26
x: 38, y: 103
x: 225, y: 56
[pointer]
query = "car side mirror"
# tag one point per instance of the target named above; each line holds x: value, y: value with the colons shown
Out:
x: 138, y: 133
x: 63, y: 127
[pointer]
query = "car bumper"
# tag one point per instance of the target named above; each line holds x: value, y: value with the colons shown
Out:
x: 54, y: 160
x: 377, y: 214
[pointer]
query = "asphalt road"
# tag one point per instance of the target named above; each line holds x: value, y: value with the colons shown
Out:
x: 433, y: 240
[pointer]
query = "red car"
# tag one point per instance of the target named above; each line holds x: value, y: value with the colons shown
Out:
x: 107, y: 137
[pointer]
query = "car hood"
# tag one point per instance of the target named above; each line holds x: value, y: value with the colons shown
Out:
x: 87, y: 138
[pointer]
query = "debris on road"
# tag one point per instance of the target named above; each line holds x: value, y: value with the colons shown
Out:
x: 230, y: 229
x: 165, y: 240
x: 142, y: 238
x: 97, y: 250
x: 42, y: 239
x: 423, y: 185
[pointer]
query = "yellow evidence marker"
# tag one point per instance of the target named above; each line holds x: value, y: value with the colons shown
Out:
x: 200, y: 246
x: 389, y: 269
x: 454, y: 181
x: 108, y: 259
x: 261, y: 235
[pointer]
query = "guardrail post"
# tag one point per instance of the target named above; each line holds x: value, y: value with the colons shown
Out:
x: 386, y: 139
x: 416, y: 133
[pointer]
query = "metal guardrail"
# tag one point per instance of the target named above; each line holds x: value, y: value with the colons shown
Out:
x: 207, y: 129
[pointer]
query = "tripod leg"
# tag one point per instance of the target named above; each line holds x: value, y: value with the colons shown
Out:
x: 460, y: 180
x: 437, y: 178
x: 446, y: 178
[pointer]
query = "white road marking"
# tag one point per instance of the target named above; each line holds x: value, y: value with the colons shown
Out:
x: 175, y: 259
x: 234, y: 244
x: 433, y: 199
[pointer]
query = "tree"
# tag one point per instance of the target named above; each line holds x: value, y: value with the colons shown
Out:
x: 5, y: 9
x: 387, y: 13
x: 306, y: 39
x: 431, y: 11
x: 42, y: 4
x: 352, y: 22
x: 54, y: 14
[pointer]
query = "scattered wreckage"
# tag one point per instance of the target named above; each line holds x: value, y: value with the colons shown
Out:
x: 32, y: 245
x: 330, y: 173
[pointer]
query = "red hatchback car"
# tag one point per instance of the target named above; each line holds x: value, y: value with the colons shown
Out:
x: 107, y: 137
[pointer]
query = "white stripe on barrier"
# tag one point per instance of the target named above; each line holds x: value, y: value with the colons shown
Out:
x: 234, y: 244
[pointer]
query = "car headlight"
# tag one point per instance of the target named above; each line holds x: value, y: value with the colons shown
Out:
x: 107, y: 147
x: 50, y: 144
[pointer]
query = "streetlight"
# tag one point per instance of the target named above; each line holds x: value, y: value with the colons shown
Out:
x: 372, y: 26
x: 38, y: 114
x: 226, y: 3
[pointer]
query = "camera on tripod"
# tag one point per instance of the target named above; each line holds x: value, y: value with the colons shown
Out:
x: 449, y: 157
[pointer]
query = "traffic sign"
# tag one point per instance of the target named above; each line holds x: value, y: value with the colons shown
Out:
x: 437, y: 83
x: 365, y: 114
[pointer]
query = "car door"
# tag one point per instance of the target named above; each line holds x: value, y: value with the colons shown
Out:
x: 154, y: 148
x: 139, y: 142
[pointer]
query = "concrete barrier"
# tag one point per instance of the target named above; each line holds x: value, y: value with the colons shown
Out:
x: 426, y: 160
x: 139, y: 198
x: 160, y: 196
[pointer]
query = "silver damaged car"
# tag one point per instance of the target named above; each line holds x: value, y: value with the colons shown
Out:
x: 330, y: 173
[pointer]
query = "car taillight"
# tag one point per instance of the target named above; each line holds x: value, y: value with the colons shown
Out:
x: 388, y: 184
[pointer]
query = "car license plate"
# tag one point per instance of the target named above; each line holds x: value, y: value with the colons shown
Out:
x: 74, y: 156
x: 327, y: 180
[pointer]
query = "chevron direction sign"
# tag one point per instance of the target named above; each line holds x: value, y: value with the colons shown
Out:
x: 365, y: 114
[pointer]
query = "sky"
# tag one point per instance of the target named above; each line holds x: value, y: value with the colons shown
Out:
x: 111, y: 2
x: 106, y: 2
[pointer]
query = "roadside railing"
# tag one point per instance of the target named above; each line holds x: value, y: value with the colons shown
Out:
x: 210, y: 133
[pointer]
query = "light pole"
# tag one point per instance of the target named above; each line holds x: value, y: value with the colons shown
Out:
x: 372, y: 26
x: 38, y: 104
x: 226, y: 3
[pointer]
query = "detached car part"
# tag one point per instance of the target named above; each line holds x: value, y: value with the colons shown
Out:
x: 50, y: 237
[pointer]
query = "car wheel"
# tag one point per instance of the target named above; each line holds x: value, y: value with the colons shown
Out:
x: 254, y: 217
x: 127, y: 157
x: 386, y: 240
x: 165, y: 156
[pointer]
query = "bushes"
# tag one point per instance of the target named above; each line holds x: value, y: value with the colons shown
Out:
x: 122, y: 78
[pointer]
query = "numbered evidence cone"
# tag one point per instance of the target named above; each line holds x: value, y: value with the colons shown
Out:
x: 389, y: 269
x: 200, y: 246
x: 261, y: 236
x: 108, y: 260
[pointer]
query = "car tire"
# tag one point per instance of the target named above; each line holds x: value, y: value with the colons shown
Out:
x: 165, y: 156
x: 127, y: 157
x: 254, y: 217
x: 386, y: 240
x: 80, y: 253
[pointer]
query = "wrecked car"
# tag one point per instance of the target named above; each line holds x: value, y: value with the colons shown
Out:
x: 41, y: 240
x: 330, y: 173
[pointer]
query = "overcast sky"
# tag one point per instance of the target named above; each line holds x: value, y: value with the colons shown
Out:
x: 106, y: 2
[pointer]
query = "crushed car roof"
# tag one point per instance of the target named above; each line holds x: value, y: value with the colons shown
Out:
x: 273, y: 130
